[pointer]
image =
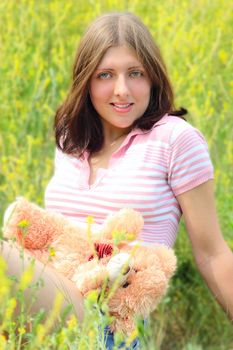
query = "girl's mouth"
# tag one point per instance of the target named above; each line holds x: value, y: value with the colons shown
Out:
x: 122, y: 107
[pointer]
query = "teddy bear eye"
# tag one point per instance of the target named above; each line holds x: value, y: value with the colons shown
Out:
x: 125, y: 285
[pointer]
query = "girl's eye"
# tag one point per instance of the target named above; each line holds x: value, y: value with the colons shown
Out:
x: 104, y: 75
x: 136, y: 74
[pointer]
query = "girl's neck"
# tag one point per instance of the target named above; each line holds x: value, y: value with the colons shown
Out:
x: 110, y: 142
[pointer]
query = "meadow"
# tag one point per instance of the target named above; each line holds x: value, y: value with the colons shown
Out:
x: 38, y: 41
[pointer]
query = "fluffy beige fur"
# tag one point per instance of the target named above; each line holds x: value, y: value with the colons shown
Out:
x: 141, y: 284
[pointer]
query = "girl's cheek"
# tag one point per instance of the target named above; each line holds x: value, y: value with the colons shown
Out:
x: 104, y: 89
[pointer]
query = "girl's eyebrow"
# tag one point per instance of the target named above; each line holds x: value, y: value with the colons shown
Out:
x: 111, y: 69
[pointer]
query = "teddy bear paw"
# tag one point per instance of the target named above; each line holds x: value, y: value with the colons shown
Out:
x: 119, y: 267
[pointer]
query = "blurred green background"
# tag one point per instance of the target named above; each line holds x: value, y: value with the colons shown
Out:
x: 38, y: 40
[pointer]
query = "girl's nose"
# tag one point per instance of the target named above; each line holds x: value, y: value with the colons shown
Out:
x: 121, y: 86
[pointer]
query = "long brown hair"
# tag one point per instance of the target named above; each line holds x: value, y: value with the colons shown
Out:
x: 77, y: 125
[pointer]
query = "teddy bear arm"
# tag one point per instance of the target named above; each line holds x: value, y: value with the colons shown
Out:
x: 158, y: 255
x: 167, y: 260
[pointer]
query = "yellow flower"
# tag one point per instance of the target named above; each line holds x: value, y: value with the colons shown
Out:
x: 2, y: 341
x: 92, y: 336
x: 40, y: 333
x: 132, y: 336
x: 92, y: 296
x: 5, y: 282
x: 72, y: 322
x: 21, y: 330
x: 23, y: 224
x: 11, y: 305
x: 223, y: 56
x: 130, y: 236
x: 52, y: 252
x: 26, y: 277
x: 90, y: 220
x: 61, y: 337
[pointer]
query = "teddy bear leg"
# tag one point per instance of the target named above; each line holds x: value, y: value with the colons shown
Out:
x: 90, y: 276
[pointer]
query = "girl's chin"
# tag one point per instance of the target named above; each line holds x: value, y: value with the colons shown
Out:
x: 123, y: 126
x: 118, y: 124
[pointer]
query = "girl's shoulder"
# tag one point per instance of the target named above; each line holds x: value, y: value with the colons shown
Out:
x: 170, y: 122
x: 64, y: 160
x: 171, y: 128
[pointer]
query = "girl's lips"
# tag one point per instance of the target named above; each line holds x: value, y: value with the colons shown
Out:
x: 122, y: 107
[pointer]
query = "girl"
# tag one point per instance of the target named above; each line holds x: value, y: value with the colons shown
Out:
x: 121, y: 143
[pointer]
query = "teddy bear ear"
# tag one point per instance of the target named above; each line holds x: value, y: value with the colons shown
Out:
x: 7, y: 215
x: 127, y: 221
x: 167, y: 259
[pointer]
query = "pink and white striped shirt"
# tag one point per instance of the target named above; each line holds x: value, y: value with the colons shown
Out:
x: 146, y: 173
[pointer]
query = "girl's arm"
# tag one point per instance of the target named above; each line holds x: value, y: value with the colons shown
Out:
x: 213, y: 256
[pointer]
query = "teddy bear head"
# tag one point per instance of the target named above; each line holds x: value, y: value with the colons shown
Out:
x: 145, y: 283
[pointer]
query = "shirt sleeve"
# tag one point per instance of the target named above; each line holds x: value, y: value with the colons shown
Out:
x: 189, y: 161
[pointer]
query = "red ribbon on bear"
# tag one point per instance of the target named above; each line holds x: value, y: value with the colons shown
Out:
x: 102, y: 250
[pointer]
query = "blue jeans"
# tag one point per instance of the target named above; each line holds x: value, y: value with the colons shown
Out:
x: 109, y: 341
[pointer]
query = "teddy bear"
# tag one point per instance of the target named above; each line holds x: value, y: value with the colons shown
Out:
x: 136, y: 276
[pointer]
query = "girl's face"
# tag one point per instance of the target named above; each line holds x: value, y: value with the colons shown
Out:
x: 119, y: 89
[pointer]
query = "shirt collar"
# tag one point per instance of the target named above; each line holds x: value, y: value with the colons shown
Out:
x: 134, y: 132
x: 138, y: 131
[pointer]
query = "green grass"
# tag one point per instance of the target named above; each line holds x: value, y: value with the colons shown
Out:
x: 38, y: 41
